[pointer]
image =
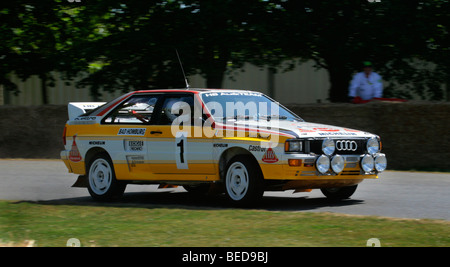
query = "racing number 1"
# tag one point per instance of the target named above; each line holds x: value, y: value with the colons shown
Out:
x: 180, y: 150
x: 181, y: 146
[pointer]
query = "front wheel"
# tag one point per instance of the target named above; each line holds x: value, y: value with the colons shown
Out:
x: 243, y: 180
x: 103, y: 185
x: 339, y: 193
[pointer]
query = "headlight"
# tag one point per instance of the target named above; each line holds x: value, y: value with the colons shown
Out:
x: 337, y: 163
x: 380, y: 163
x: 367, y: 163
x: 328, y: 147
x: 323, y: 164
x: 293, y: 146
x: 373, y: 146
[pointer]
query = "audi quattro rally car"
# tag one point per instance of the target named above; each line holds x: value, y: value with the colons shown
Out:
x: 242, y: 142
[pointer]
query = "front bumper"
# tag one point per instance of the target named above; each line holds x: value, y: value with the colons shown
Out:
x: 305, y: 176
x: 307, y: 169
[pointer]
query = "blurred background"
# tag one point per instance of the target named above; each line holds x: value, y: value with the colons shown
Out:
x: 300, y: 52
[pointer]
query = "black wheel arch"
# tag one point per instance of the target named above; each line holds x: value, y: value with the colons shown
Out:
x: 230, y: 153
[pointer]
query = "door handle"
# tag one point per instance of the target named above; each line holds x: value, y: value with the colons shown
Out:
x: 155, y: 132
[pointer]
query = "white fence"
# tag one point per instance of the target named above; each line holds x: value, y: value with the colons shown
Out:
x: 304, y: 84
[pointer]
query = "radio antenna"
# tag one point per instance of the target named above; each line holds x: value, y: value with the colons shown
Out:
x: 182, y: 69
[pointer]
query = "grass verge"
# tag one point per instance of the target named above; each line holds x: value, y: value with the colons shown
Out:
x: 54, y: 225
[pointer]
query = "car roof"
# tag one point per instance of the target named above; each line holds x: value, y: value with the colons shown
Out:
x: 189, y: 90
x: 106, y: 108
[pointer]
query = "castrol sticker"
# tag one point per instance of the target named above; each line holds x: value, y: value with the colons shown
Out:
x: 269, y: 156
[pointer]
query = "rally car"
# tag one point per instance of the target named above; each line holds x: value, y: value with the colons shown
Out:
x: 237, y: 142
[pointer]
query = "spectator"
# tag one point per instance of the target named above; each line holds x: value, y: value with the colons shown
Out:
x: 366, y: 85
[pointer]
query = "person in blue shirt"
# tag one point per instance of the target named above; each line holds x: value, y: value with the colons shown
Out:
x: 366, y: 85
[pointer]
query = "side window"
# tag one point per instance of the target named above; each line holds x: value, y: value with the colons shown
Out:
x: 136, y: 110
x: 179, y: 110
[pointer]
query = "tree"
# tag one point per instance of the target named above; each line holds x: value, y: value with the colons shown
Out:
x: 225, y: 34
x: 137, y: 50
x: 395, y: 35
x: 34, y: 38
x: 130, y: 45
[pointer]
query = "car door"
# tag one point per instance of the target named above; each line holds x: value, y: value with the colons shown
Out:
x: 127, y: 134
x: 176, y: 145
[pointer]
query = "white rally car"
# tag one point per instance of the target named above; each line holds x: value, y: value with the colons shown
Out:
x: 242, y: 142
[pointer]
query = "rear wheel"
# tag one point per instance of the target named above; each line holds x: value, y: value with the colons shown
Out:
x: 103, y: 185
x: 243, y: 180
x: 339, y: 193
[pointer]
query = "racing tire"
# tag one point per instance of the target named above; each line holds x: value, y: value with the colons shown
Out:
x: 339, y: 193
x: 102, y: 183
x: 244, y: 183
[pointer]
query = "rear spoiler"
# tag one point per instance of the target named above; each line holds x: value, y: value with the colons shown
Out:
x: 76, y: 109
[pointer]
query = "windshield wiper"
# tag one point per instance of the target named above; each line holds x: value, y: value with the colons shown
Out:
x: 269, y: 117
x: 236, y: 117
x: 263, y: 117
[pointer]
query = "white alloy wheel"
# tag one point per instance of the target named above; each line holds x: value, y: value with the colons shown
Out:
x: 100, y: 176
x: 237, y: 181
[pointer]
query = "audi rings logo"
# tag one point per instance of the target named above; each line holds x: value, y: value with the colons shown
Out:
x: 346, y: 145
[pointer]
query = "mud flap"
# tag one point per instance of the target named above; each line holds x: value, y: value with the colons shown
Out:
x: 82, y: 182
x: 163, y: 186
x: 302, y: 190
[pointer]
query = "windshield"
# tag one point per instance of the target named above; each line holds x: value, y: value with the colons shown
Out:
x: 245, y: 105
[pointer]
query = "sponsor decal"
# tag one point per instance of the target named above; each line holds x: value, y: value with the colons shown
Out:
x: 220, y: 145
x: 256, y: 148
x: 87, y: 106
x: 233, y: 94
x: 324, y: 131
x: 303, y: 129
x: 306, y: 131
x: 327, y: 129
x: 339, y: 133
x: 134, y: 160
x: 351, y: 130
x: 132, y: 131
x: 269, y: 156
x: 74, y: 153
x: 97, y: 143
x: 135, y: 145
x: 92, y: 118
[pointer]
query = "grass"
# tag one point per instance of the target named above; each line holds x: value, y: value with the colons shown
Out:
x: 53, y: 225
x: 427, y: 170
